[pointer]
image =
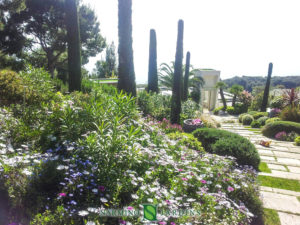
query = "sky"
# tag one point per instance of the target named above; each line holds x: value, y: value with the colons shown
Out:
x: 237, y: 37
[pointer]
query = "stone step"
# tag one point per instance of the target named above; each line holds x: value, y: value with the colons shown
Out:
x: 280, y: 202
x: 269, y: 159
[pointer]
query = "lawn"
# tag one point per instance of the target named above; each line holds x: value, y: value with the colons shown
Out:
x: 263, y: 167
x: 275, y: 182
x: 271, y: 217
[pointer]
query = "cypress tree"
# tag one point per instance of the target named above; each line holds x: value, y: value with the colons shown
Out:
x: 267, y: 89
x: 74, y: 55
x: 126, y: 80
x: 186, y: 76
x: 176, y: 90
x: 152, y: 70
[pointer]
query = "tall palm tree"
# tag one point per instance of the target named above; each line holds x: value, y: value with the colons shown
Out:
x: 221, y: 86
x: 235, y: 90
x: 166, y: 74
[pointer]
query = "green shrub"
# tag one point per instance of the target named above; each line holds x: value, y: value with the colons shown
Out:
x: 291, y: 113
x: 156, y: 105
x: 230, y: 110
x: 297, y: 140
x: 271, y: 120
x: 217, y: 110
x: 226, y: 143
x: 241, y: 117
x: 240, y: 108
x: 11, y: 88
x: 255, y: 124
x: 188, y: 140
x: 271, y: 129
x: 190, y: 109
x: 277, y: 102
x: 247, y: 119
x: 260, y: 114
x: 262, y: 120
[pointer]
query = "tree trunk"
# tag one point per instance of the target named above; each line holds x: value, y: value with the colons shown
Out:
x: 186, y: 77
x: 176, y: 91
x: 126, y: 80
x: 223, y: 98
x: 152, y: 71
x: 233, y: 100
x: 267, y: 89
x: 74, y: 55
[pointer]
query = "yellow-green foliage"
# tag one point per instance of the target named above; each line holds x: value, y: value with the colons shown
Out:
x: 297, y: 140
x: 209, y: 121
x: 188, y: 140
x: 11, y: 88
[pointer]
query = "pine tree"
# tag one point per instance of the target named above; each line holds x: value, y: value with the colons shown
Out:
x: 152, y: 71
x: 186, y: 76
x: 267, y: 89
x: 126, y: 80
x: 74, y: 55
x: 176, y: 90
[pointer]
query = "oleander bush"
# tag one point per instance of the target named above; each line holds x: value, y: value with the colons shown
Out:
x: 271, y: 129
x: 226, y: 143
x: 262, y: 120
x: 247, y: 119
x: 255, y: 124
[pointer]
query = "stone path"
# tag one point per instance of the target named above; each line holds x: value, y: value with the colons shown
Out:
x: 283, y: 159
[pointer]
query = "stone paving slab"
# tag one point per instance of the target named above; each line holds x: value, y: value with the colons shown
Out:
x: 282, y: 174
x: 279, y: 163
x: 288, y: 161
x: 287, y: 155
x: 279, y: 191
x: 294, y: 169
x: 288, y: 219
x: 268, y: 158
x: 280, y: 202
x: 276, y: 167
x: 265, y: 152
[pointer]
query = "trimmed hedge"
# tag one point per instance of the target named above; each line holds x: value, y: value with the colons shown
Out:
x: 255, y: 124
x: 271, y: 120
x: 262, y: 120
x: 271, y: 129
x: 247, y: 119
x: 223, y: 142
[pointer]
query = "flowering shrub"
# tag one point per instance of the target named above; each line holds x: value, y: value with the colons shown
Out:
x: 275, y: 112
x: 93, y: 152
x: 246, y: 98
x: 281, y: 136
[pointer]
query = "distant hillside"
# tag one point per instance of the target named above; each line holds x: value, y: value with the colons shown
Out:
x: 249, y: 82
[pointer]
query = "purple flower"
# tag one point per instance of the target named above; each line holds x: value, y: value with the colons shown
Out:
x: 130, y: 208
x: 203, y: 181
x: 62, y: 194
x: 230, y: 189
x: 101, y: 188
x: 280, y: 135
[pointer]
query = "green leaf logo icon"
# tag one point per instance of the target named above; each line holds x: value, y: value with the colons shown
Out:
x: 150, y: 212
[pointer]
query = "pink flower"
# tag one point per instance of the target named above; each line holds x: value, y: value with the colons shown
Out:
x: 130, y: 208
x: 162, y: 222
x: 62, y: 194
x: 122, y: 222
x: 172, y: 223
x: 180, y: 170
x: 184, y: 178
x: 230, y: 189
x: 168, y: 202
x: 203, y: 181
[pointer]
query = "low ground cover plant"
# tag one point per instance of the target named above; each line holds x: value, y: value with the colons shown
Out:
x: 247, y: 119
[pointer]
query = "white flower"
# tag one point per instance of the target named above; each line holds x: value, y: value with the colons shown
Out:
x: 83, y: 213
x: 134, y: 196
x: 150, y: 200
x: 90, y: 223
x: 103, y: 200
x: 27, y: 172
x: 60, y: 167
x: 95, y: 190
